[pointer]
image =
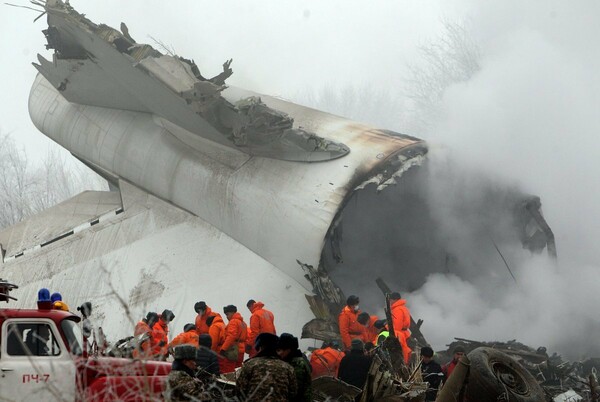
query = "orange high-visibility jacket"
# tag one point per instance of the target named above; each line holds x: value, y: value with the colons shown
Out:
x: 401, y: 319
x: 325, y: 362
x: 201, y: 326
x: 217, y: 333
x: 371, y: 333
x: 261, y: 320
x: 236, y: 331
x: 144, y: 349
x: 160, y: 334
x: 350, y: 328
x: 185, y: 338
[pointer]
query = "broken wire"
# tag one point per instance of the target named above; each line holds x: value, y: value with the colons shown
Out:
x: 503, y: 259
x: 20, y: 6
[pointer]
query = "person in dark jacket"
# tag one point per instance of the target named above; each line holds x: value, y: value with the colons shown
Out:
x: 206, y: 359
x: 265, y: 377
x: 431, y: 372
x: 287, y: 349
x: 354, y: 367
x: 182, y: 385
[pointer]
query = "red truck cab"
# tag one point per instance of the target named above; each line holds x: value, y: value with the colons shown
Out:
x: 42, y: 359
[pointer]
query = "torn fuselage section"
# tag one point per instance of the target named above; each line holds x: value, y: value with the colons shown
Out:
x: 328, y: 298
x: 431, y: 222
x: 97, y: 65
x: 411, y: 219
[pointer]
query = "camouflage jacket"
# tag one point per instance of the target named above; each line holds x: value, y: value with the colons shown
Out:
x: 302, y: 371
x: 266, y: 379
x: 181, y: 386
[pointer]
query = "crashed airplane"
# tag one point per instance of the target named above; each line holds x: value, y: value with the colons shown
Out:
x: 217, y: 193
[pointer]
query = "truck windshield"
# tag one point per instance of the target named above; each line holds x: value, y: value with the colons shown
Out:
x: 73, y: 335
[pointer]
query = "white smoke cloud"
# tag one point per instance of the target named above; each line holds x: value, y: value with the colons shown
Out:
x: 530, y: 118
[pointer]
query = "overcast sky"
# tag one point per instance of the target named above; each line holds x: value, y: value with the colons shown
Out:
x: 530, y: 116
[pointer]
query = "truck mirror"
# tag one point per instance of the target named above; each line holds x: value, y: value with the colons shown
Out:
x: 85, y: 309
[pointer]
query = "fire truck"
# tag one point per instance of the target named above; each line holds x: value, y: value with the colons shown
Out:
x: 44, y: 357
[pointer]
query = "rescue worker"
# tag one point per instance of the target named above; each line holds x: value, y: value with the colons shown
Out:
x: 265, y: 377
x: 261, y: 320
x: 448, y: 368
x: 288, y: 351
x: 143, y: 330
x: 189, y: 336
x: 326, y: 361
x: 431, y: 372
x: 57, y: 303
x: 401, y: 319
x: 234, y: 346
x: 371, y: 332
x: 203, y: 313
x: 182, y: 384
x: 354, y: 367
x: 348, y: 322
x: 383, y: 333
x: 206, y: 359
x: 160, y: 335
x: 216, y: 330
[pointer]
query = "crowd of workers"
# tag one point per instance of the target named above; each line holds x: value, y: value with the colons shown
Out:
x: 276, y: 366
x: 211, y: 347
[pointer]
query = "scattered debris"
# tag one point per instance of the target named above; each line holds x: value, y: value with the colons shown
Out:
x: 569, y: 396
x: 558, y: 378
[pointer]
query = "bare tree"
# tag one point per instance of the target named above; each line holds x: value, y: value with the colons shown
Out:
x: 59, y: 178
x: 25, y: 189
x: 452, y: 58
x: 364, y: 103
x: 15, y: 183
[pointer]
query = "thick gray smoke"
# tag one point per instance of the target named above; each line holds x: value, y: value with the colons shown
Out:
x: 529, y: 116
x: 526, y: 121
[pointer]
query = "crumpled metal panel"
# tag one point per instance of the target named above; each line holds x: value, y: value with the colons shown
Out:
x: 170, y: 86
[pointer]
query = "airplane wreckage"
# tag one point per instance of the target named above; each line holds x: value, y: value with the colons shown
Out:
x: 221, y: 194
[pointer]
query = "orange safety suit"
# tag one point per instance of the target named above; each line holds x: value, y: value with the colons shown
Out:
x: 144, y: 349
x: 201, y: 326
x: 185, y: 338
x: 217, y: 332
x: 325, y: 362
x: 401, y: 320
x: 236, y: 332
x: 160, y: 339
x: 217, y: 336
x: 261, y: 320
x: 371, y: 333
x: 350, y: 328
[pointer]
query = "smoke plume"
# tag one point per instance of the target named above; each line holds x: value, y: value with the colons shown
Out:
x: 528, y: 118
